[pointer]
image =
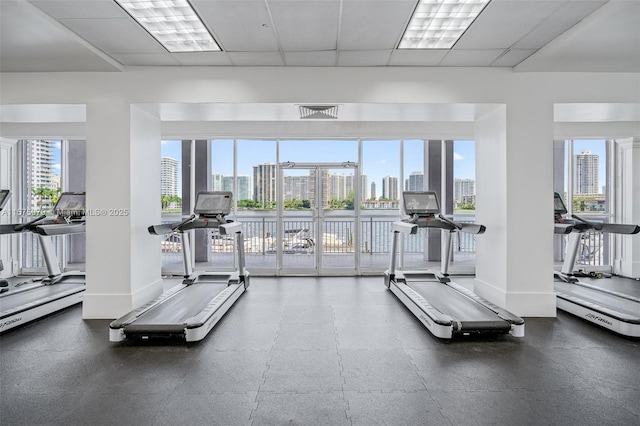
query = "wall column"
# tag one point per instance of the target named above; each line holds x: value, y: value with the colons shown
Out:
x: 123, y: 199
x: 433, y: 182
x: 76, y: 182
x: 627, y: 260
x: 558, y: 186
x: 514, y: 171
x: 202, y: 182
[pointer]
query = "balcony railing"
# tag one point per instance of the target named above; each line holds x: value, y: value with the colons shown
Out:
x: 299, y: 237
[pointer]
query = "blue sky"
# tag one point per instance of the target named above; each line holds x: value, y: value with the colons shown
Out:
x: 381, y: 158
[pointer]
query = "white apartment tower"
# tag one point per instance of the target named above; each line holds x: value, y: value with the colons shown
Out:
x: 40, y: 163
x: 168, y: 176
x: 390, y: 188
x: 244, y: 190
x: 463, y: 188
x: 415, y: 182
x: 586, y: 174
x: 264, y: 181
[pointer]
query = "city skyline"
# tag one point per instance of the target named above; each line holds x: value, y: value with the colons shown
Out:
x: 377, y: 155
x: 380, y: 158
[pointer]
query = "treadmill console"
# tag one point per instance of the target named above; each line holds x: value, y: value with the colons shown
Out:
x: 421, y: 203
x: 213, y: 203
x: 4, y: 197
x: 558, y: 206
x: 70, y: 205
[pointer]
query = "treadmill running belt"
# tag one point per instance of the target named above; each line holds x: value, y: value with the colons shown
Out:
x: 177, y: 309
x: 37, y: 295
x: 622, y: 309
x: 459, y: 307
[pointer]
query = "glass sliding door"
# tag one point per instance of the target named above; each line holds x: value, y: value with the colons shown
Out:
x: 317, y: 228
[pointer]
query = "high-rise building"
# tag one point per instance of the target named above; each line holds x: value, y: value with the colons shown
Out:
x: 463, y: 188
x: 415, y: 182
x: 168, y: 176
x: 227, y: 184
x: 216, y: 182
x: 264, y: 184
x: 373, y: 190
x: 390, y: 188
x: 39, y: 166
x: 325, y: 186
x: 296, y: 188
x: 364, y: 184
x: 244, y: 188
x: 339, y: 186
x: 586, y: 173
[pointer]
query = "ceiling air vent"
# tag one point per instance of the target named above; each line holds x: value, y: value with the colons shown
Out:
x: 318, y: 112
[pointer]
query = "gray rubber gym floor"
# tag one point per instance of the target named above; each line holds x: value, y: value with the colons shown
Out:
x: 319, y: 351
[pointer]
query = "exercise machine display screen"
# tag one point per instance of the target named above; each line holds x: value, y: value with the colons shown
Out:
x: 420, y: 203
x: 4, y: 197
x: 558, y: 205
x: 213, y: 203
x: 70, y: 204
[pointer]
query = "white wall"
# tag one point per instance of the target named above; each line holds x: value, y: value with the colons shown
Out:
x: 8, y: 242
x: 521, y: 102
x: 627, y: 253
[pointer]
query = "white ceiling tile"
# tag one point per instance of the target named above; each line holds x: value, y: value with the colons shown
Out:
x: 30, y: 41
x: 503, y: 23
x: 203, y: 58
x: 426, y: 58
x: 80, y: 8
x: 512, y: 57
x: 115, y: 35
x: 256, y: 58
x: 363, y: 58
x: 145, y: 59
x: 239, y: 26
x: 95, y: 35
x: 606, y: 41
x: 322, y: 59
x: 373, y: 25
x: 306, y: 25
x: 470, y: 58
x: 565, y: 17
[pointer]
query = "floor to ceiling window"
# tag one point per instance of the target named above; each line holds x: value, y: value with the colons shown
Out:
x: 318, y: 206
x: 582, y: 179
x: 49, y: 167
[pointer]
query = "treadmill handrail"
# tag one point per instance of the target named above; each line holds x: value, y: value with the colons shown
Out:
x: 594, y: 225
x: 61, y: 228
x: 168, y: 228
x: 184, y: 222
x: 449, y: 221
x: 26, y: 226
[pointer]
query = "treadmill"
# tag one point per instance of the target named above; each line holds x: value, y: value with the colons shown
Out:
x: 191, y: 309
x: 445, y: 308
x: 58, y: 290
x: 615, y: 307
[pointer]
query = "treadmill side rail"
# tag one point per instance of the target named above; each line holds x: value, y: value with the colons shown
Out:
x: 604, y: 320
x: 438, y: 324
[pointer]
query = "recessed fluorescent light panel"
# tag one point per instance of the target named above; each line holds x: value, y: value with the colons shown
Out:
x: 173, y: 23
x: 438, y: 24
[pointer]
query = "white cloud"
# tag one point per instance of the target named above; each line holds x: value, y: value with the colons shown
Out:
x: 56, y: 144
x: 457, y: 156
x: 56, y: 167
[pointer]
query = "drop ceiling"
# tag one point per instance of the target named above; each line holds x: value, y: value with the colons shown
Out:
x: 528, y: 35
